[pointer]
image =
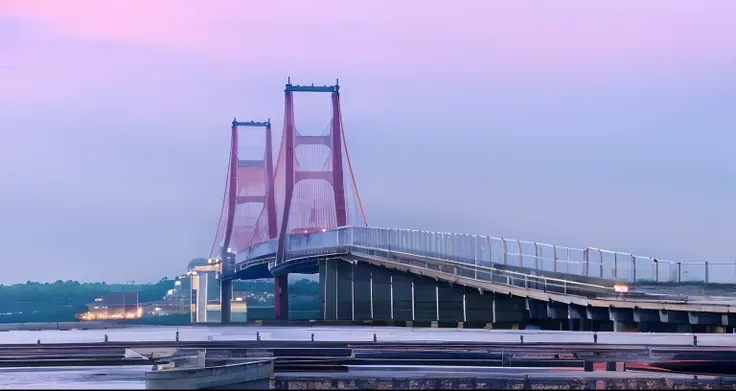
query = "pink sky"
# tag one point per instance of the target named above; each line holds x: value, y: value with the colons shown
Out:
x: 531, y: 35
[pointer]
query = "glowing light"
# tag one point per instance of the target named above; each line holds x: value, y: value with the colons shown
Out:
x: 620, y: 288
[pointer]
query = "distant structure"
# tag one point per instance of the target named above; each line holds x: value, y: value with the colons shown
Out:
x: 175, y: 302
x: 115, y: 305
x: 203, y: 277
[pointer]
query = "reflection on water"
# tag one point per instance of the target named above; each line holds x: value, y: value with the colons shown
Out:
x: 133, y: 377
x: 92, y: 378
x: 111, y: 378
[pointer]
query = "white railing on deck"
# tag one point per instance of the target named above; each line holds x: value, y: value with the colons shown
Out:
x: 486, y: 250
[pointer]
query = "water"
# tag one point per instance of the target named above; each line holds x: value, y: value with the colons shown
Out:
x: 132, y: 377
x: 115, y: 378
x: 356, y: 334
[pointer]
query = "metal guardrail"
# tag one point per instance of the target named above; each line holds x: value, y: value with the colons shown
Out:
x: 485, y: 251
x: 453, y: 268
x: 490, y: 274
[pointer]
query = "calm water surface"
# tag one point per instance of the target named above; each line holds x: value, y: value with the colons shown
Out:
x: 132, y: 377
x: 128, y: 378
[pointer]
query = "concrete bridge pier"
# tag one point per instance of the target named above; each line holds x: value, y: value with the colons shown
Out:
x: 622, y: 319
x: 679, y: 319
x: 509, y: 311
x: 577, y: 316
x: 648, y: 321
x: 281, y: 297
x: 226, y: 295
x: 704, y: 318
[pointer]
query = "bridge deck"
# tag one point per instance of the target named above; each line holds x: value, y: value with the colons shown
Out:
x: 647, y: 302
x: 520, y: 282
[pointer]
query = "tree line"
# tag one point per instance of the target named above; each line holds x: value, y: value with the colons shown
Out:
x: 61, y: 300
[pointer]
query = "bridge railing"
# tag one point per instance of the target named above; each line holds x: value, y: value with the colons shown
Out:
x: 590, y: 262
x: 487, y: 251
x: 301, y: 244
x: 459, y: 255
x: 255, y: 252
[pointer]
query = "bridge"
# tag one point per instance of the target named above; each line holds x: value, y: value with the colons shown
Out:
x: 302, y: 213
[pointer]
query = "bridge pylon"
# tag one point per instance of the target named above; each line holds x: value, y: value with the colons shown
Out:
x: 315, y: 186
x: 249, y: 193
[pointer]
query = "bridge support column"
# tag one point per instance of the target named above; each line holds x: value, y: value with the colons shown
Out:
x: 728, y: 320
x: 509, y: 310
x: 619, y: 326
x: 450, y: 302
x: 704, y: 318
x: 597, y: 316
x: 226, y: 295
x: 642, y: 316
x: 479, y: 307
x: 683, y: 328
x: 402, y: 297
x: 382, y: 301
x: 345, y: 290
x: 344, y: 277
x: 362, y: 292
x: 576, y: 315
x: 425, y: 299
x: 676, y: 317
x: 537, y: 309
x: 557, y: 310
x: 622, y: 319
x: 281, y: 297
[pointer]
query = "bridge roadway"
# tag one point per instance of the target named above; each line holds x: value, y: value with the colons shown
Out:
x: 547, y: 294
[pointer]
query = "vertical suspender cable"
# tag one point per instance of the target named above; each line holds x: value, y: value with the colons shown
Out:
x: 350, y: 166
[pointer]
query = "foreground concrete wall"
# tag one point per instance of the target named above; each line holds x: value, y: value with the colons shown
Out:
x: 479, y: 383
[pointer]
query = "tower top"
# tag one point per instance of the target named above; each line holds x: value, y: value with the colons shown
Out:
x: 252, y: 123
x: 311, y: 88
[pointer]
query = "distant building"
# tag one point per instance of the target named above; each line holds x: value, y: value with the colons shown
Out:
x: 175, y: 302
x: 114, y: 305
x: 205, y: 294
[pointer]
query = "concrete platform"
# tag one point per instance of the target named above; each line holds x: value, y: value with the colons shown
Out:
x: 358, y: 334
x: 255, y: 373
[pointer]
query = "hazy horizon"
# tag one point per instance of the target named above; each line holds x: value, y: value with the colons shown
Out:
x: 601, y: 124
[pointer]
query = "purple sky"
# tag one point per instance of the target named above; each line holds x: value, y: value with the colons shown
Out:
x: 576, y: 123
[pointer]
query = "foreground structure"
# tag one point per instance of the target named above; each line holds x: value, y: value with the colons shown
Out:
x: 369, y: 358
x: 304, y: 215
